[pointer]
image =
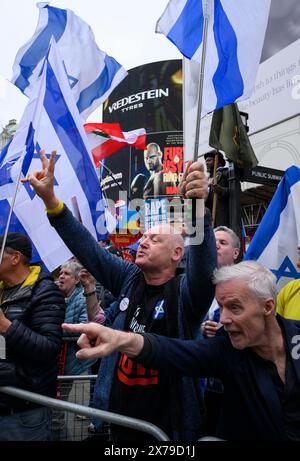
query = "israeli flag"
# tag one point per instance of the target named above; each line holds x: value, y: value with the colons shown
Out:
x: 91, y: 72
x: 275, y: 242
x: 236, y: 32
x: 51, y: 121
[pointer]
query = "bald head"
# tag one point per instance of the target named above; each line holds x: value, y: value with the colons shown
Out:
x: 172, y: 233
x: 160, y: 252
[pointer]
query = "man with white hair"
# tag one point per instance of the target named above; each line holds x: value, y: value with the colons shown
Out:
x: 257, y: 356
x: 151, y: 297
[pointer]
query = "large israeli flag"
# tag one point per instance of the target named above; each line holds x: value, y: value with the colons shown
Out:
x: 92, y: 73
x: 51, y: 121
x: 275, y: 242
x: 236, y: 32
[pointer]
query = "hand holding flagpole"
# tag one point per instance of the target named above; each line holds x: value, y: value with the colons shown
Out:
x: 215, y: 195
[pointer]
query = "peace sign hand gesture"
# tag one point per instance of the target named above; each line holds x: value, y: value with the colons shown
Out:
x: 43, y: 181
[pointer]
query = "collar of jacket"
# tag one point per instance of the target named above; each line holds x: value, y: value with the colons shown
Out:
x: 31, y: 279
x: 76, y: 292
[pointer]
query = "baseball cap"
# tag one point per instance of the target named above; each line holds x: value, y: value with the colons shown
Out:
x: 212, y: 153
x: 18, y: 242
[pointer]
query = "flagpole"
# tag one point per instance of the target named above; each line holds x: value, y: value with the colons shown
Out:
x: 110, y: 173
x: 215, y: 195
x: 201, y: 80
x: 11, y: 211
x: 198, y: 205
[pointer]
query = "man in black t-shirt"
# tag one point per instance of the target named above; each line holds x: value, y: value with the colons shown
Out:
x: 150, y: 297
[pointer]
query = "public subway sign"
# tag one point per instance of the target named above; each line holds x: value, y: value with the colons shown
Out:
x: 263, y: 175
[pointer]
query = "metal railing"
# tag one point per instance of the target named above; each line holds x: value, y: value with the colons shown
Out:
x: 106, y: 416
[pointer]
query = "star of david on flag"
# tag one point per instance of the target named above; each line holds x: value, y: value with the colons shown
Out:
x: 51, y: 120
x: 275, y: 242
x: 92, y: 73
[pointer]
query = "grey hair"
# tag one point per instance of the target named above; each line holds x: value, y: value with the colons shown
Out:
x: 235, y: 239
x: 260, y: 280
x: 74, y: 266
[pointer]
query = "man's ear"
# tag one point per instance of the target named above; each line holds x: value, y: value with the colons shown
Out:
x: 177, y: 253
x: 236, y: 253
x: 16, y: 258
x: 269, y: 306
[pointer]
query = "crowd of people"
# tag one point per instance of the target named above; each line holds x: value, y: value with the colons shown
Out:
x: 195, y: 352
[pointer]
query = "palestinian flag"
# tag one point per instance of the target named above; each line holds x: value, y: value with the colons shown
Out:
x: 107, y: 138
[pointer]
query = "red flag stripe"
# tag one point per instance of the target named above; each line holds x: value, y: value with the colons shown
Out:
x: 112, y: 129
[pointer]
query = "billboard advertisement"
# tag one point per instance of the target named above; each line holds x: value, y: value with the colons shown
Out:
x: 149, y: 97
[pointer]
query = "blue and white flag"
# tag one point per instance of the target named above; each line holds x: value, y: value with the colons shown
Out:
x: 236, y: 32
x: 92, y: 73
x: 51, y: 121
x: 274, y: 244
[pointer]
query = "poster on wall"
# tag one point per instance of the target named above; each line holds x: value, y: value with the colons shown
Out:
x: 157, y: 171
x: 150, y: 97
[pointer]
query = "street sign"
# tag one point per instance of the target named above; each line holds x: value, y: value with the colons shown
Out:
x: 263, y: 175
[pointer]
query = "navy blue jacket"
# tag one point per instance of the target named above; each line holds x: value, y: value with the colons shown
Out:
x: 251, y: 408
x: 195, y: 295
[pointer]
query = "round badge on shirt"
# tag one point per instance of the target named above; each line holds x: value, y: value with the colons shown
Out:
x: 124, y: 304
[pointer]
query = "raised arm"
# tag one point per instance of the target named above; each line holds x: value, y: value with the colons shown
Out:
x: 197, y: 290
x: 94, y: 310
x: 106, y: 268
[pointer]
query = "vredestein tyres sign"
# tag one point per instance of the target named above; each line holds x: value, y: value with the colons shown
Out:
x: 149, y: 97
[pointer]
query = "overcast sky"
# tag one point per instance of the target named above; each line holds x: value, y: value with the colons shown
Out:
x: 123, y: 29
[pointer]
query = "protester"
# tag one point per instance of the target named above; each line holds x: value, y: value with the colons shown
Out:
x: 31, y: 314
x: 218, y: 186
x: 76, y: 312
x: 150, y: 297
x: 228, y: 248
x: 257, y: 356
x: 95, y: 312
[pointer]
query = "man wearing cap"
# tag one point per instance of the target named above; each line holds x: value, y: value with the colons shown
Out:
x: 31, y: 312
x: 218, y: 186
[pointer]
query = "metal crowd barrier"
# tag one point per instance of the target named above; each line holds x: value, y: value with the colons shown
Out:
x: 81, y: 410
x: 71, y: 426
